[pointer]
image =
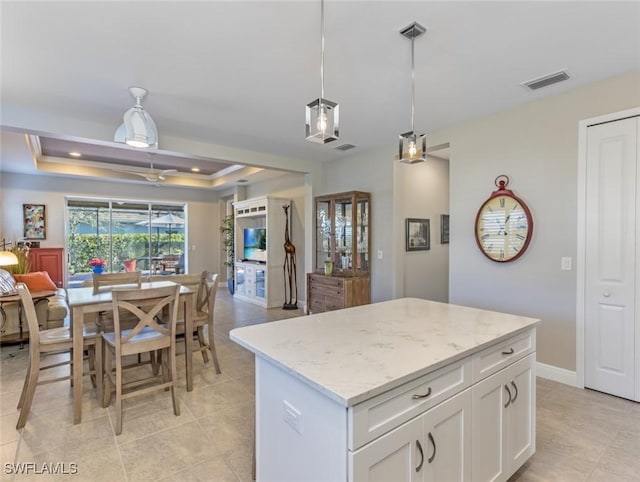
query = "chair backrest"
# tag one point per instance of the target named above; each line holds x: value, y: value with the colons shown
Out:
x: 29, y: 310
x: 106, y: 281
x: 145, y: 305
x: 206, y: 297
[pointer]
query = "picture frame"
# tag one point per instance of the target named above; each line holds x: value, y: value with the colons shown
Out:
x: 417, y: 234
x: 34, y: 221
x: 444, y: 229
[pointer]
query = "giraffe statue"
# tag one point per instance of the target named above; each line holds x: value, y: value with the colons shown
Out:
x: 290, y: 279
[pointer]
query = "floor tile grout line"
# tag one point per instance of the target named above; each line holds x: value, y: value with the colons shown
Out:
x: 115, y: 440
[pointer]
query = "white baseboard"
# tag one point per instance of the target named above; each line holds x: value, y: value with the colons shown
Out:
x: 560, y: 375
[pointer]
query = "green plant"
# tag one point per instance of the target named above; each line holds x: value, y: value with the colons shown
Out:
x: 228, y: 231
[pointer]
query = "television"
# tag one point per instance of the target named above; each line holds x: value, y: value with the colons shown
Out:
x: 255, y: 245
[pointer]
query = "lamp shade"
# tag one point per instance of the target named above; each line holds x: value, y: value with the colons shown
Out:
x: 140, y: 130
x: 7, y: 258
x: 412, y: 147
x: 322, y: 121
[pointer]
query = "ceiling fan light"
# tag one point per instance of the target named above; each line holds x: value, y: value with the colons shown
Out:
x: 140, y: 130
x: 322, y: 121
x: 412, y: 147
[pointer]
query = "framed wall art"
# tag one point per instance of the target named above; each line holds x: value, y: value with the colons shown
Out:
x: 417, y: 234
x: 34, y: 221
x: 444, y: 229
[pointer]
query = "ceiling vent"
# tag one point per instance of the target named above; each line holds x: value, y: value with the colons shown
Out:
x: 549, y: 79
x: 345, y: 147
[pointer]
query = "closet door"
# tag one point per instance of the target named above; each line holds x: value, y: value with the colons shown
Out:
x: 612, y: 199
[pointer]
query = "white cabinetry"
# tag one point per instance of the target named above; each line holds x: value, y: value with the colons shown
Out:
x: 260, y: 281
x: 503, y: 424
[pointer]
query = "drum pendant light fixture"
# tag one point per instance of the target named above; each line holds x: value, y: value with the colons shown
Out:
x: 138, y: 128
x: 322, y: 115
x: 412, y: 146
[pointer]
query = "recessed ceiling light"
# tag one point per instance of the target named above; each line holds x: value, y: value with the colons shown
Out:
x: 195, y: 169
x: 75, y: 154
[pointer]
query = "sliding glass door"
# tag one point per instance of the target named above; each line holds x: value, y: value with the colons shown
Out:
x: 127, y: 235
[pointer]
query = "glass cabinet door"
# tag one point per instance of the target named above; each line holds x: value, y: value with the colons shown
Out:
x: 343, y: 235
x: 323, y: 233
x: 259, y: 282
x: 240, y: 280
x: 362, y: 236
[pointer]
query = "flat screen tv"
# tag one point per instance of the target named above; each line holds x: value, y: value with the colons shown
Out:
x: 255, y: 244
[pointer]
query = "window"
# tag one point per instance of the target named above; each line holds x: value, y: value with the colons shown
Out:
x: 128, y: 235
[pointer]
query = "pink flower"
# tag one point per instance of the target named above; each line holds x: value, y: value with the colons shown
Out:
x: 97, y: 262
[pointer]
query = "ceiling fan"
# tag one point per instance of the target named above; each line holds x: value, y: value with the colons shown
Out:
x: 150, y: 174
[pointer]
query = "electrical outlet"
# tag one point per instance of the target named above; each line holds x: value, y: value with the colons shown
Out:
x: 565, y: 263
x: 292, y: 416
x: 379, y: 254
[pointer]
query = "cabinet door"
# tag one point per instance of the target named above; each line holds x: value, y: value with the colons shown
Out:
x: 240, y: 280
x: 49, y: 260
x: 488, y: 428
x: 447, y: 442
x: 521, y: 413
x: 393, y: 457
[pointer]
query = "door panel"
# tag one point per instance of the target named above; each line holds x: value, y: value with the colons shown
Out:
x: 612, y: 209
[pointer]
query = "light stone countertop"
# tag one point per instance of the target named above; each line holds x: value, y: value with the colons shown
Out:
x: 354, y: 354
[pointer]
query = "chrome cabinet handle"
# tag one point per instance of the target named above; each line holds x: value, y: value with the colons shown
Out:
x: 506, y: 387
x: 606, y: 294
x: 516, y: 389
x: 418, y: 397
x: 510, y: 352
x: 419, y: 467
x: 433, y: 442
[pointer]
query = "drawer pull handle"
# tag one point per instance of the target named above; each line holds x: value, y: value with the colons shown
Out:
x: 419, y: 467
x: 418, y: 397
x: 510, y: 352
x: 506, y: 387
x: 433, y: 442
x: 516, y: 389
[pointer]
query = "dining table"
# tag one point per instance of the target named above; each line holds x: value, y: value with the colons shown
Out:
x: 83, y: 301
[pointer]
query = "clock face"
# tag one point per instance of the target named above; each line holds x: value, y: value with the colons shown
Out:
x: 503, y: 228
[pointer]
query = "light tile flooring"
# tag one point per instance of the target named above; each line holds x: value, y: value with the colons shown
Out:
x: 582, y: 435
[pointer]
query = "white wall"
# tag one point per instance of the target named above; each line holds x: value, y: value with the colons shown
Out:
x: 202, y: 210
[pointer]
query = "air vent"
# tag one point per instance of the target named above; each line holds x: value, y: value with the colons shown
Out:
x: 549, y: 79
x: 345, y: 147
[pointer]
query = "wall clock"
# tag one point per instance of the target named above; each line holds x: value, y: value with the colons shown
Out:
x: 504, y: 224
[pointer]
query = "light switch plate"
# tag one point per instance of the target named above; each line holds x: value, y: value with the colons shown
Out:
x: 565, y: 263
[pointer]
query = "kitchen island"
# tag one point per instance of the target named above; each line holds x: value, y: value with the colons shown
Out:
x: 406, y: 389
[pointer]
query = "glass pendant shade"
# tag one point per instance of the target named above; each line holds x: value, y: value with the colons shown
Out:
x: 7, y: 258
x: 322, y: 121
x: 140, y: 130
x: 412, y: 147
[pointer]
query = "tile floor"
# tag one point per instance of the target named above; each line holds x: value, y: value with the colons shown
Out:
x: 582, y: 435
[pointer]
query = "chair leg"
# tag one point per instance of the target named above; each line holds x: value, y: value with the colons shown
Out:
x: 24, y: 386
x: 212, y: 347
x: 171, y: 353
x: 118, y: 395
x: 91, y: 351
x: 34, y: 369
x: 203, y: 344
x: 98, y: 352
x: 106, y: 388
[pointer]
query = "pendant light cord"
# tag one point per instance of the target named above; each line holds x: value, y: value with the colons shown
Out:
x: 413, y: 86
x: 322, y: 49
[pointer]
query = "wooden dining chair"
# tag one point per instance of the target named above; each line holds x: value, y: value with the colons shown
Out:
x: 203, y: 316
x: 148, y: 335
x: 107, y: 281
x: 47, y: 342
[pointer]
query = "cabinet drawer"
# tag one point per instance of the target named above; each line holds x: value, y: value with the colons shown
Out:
x: 372, y: 418
x: 496, y: 357
x: 327, y: 281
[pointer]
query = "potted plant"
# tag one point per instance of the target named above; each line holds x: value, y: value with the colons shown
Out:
x: 22, y: 253
x: 97, y: 265
x: 227, y: 229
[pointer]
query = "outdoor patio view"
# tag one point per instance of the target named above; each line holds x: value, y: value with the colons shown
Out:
x: 117, y: 236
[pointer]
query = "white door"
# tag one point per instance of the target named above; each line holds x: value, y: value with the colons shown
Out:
x: 612, y: 207
x: 448, y: 440
x: 398, y: 456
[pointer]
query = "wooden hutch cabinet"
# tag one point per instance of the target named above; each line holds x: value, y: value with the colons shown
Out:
x: 49, y: 260
x: 341, y: 276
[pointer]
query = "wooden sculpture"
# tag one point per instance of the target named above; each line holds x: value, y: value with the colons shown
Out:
x: 290, y: 279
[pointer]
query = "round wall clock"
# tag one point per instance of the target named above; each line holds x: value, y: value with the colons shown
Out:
x: 504, y: 224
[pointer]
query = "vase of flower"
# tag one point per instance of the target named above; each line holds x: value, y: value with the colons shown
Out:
x: 97, y: 269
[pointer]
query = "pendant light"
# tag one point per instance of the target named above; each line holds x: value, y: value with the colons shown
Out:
x: 412, y: 146
x: 138, y: 128
x: 322, y: 114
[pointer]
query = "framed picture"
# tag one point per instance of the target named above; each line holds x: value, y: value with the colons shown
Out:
x: 444, y: 229
x: 417, y: 236
x: 34, y: 221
